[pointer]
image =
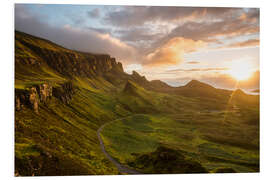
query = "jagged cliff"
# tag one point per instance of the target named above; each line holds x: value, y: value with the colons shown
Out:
x: 66, y: 62
x: 40, y: 60
x: 56, y: 112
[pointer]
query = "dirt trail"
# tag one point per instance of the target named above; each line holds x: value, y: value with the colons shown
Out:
x: 121, y: 168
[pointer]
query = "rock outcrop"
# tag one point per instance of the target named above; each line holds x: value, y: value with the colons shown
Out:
x: 166, y: 160
x: 35, y: 95
x: 141, y: 80
x: 32, y: 97
x: 45, y: 92
x: 64, y: 92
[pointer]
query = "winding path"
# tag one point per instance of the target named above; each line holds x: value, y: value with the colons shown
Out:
x: 121, y: 168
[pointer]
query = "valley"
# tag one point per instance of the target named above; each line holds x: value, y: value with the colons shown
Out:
x: 67, y: 101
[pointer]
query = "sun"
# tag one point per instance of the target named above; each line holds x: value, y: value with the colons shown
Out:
x: 240, y: 70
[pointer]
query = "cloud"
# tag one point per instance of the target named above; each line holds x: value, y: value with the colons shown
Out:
x: 248, y: 43
x: 71, y: 37
x: 137, y: 34
x: 138, y: 15
x: 226, y: 81
x: 95, y: 13
x: 251, y: 16
x: 198, y: 69
x: 76, y: 19
x: 133, y: 67
x: 193, y: 62
x: 198, y: 23
x: 172, y: 52
x: 149, y: 36
x: 210, y: 32
x: 217, y: 79
x: 215, y: 28
x: 101, y: 30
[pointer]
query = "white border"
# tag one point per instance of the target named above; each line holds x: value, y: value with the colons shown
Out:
x: 208, y: 3
x: 7, y: 87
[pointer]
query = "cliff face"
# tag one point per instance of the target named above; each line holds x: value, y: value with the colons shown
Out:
x: 66, y: 62
x: 74, y: 64
x: 39, y: 59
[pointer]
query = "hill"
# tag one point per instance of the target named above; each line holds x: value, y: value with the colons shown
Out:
x: 63, y: 96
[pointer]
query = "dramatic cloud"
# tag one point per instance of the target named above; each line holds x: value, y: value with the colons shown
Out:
x: 172, y: 52
x: 154, y: 40
x: 139, y: 15
x: 199, y: 69
x: 212, y: 31
x: 250, y: 42
x: 95, y: 13
x: 226, y: 81
x: 101, y: 30
x: 74, y: 38
x: 206, y: 24
x: 193, y: 62
x: 137, y: 34
x: 217, y: 79
x: 252, y: 16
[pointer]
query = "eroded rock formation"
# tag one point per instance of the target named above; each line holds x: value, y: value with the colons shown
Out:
x: 32, y: 96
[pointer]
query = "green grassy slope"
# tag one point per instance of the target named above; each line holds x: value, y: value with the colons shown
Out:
x: 219, y: 137
x: 61, y: 139
x: 206, y: 138
x: 64, y: 130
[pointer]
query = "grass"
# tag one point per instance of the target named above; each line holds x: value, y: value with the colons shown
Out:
x: 183, y: 123
x: 69, y: 130
x: 62, y: 138
x: 144, y: 133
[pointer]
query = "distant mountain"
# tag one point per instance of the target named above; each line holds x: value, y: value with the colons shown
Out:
x: 256, y: 91
x: 195, y: 88
x: 198, y: 84
x: 132, y: 88
x: 36, y: 56
x: 240, y: 97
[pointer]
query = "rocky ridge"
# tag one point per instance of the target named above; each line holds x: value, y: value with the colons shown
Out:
x: 66, y: 62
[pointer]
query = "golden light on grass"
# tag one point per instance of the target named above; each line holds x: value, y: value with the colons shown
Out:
x: 240, y: 70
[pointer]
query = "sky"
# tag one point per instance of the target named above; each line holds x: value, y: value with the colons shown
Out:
x: 219, y: 46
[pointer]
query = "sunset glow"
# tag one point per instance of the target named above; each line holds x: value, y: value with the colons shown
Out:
x: 135, y: 90
x: 240, y: 70
x: 215, y: 45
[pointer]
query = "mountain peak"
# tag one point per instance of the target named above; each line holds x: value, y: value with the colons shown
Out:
x: 239, y: 92
x: 135, y: 73
x: 197, y: 84
x: 159, y: 84
x: 130, y: 87
x: 137, y: 77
